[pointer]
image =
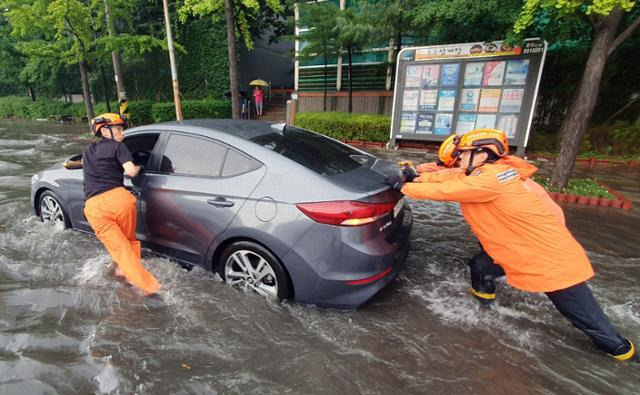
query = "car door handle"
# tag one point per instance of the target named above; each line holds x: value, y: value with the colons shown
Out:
x: 220, y: 202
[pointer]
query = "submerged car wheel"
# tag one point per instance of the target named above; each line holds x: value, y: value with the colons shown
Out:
x: 251, y: 266
x: 52, y: 212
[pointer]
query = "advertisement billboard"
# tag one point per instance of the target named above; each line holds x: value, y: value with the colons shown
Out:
x: 455, y: 88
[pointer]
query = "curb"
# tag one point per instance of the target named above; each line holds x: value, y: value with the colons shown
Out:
x: 631, y: 163
x: 620, y: 200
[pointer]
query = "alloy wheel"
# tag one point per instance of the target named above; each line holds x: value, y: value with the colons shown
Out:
x: 250, y: 270
x: 51, y: 212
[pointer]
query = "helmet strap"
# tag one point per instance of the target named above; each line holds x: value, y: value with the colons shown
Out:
x: 110, y: 132
x: 471, y: 167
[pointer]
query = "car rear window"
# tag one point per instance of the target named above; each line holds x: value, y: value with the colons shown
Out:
x: 313, y: 151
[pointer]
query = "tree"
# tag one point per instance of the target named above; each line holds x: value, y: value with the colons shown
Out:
x: 352, y: 32
x: 242, y: 17
x: 320, y: 39
x: 605, y: 17
x: 54, y: 29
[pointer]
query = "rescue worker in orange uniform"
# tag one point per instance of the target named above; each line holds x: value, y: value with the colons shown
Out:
x: 109, y: 207
x: 525, y: 239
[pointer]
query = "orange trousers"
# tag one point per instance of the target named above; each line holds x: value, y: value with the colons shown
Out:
x: 112, y: 215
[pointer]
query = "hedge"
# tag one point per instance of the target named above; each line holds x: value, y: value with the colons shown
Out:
x: 142, y: 112
x: 345, y: 126
x: 192, y: 109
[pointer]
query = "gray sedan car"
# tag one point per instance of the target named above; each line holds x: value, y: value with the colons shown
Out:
x: 280, y: 210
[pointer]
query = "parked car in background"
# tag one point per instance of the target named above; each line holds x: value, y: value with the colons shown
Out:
x: 283, y: 211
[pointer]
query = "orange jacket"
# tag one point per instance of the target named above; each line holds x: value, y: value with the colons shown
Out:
x: 537, y: 253
x: 526, y: 170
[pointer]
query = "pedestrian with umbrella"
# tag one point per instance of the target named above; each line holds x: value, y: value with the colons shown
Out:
x: 258, y: 94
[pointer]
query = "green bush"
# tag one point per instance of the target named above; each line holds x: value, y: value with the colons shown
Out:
x: 192, y: 109
x: 14, y: 106
x: 578, y: 186
x: 140, y: 112
x: 345, y: 126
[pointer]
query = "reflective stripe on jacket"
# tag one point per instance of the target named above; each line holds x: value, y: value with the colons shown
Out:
x: 537, y: 253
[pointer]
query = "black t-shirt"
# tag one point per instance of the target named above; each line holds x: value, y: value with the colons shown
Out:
x: 102, y: 166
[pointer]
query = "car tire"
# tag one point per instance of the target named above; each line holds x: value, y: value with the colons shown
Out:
x: 264, y: 274
x: 52, y: 211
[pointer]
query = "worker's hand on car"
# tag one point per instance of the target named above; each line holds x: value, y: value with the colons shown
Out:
x: 406, y: 174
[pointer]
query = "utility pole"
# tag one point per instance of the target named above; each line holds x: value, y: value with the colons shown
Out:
x: 172, y: 60
x: 117, y: 63
x: 233, y: 63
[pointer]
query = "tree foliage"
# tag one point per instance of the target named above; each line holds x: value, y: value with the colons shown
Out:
x: 250, y: 15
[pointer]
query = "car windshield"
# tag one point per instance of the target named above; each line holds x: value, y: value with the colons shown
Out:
x: 313, y: 151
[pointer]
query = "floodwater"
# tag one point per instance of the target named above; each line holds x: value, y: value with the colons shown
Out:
x: 68, y: 326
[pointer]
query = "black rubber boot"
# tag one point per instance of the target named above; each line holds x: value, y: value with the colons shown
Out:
x: 483, y: 272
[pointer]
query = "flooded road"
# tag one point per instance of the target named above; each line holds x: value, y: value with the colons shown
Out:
x: 68, y: 326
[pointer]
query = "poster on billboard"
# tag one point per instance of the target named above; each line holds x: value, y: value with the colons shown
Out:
x: 489, y: 99
x: 469, y: 99
x: 408, y: 123
x: 450, y: 74
x: 508, y: 124
x: 511, y: 100
x: 425, y: 123
x: 410, y: 100
x: 486, y: 121
x: 428, y: 99
x: 443, y: 124
x: 446, y: 100
x: 493, y: 73
x: 517, y: 71
x: 430, y: 75
x: 473, y: 73
x: 413, y: 77
x: 466, y: 122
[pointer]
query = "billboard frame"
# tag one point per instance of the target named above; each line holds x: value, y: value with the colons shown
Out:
x: 533, y: 50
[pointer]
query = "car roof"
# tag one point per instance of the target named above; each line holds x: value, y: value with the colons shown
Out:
x: 238, y: 127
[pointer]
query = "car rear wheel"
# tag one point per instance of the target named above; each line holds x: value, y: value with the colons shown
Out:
x: 52, y: 212
x: 251, y: 266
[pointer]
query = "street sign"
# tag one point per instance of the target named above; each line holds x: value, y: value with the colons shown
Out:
x: 455, y: 88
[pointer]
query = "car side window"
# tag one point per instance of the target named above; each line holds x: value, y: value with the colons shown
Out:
x: 237, y: 163
x: 141, y: 147
x: 192, y: 156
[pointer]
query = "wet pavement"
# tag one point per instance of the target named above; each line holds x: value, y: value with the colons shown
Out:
x: 68, y: 326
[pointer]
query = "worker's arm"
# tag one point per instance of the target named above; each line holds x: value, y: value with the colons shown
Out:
x: 483, y: 187
x: 429, y: 167
x: 446, y: 174
x: 72, y: 164
x: 130, y: 169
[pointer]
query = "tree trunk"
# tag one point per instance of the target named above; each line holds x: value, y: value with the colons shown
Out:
x: 350, y: 102
x: 86, y: 94
x: 115, y: 56
x: 233, y: 62
x: 172, y: 61
x: 105, y: 90
x: 32, y: 94
x: 324, y: 105
x: 579, y: 115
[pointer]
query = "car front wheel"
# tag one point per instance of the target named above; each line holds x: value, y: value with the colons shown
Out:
x: 251, y: 266
x: 52, y: 212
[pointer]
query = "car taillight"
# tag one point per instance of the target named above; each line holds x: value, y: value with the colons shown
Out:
x: 345, y: 212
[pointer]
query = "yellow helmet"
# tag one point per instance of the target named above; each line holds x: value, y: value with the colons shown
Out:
x: 107, y: 119
x: 492, y: 139
x: 447, y: 154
